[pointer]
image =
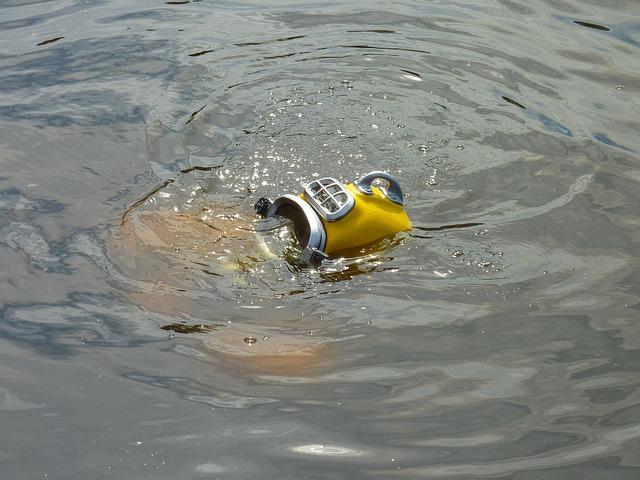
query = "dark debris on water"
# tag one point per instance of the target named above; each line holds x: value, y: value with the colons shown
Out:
x: 201, y: 52
x: 47, y: 42
x: 513, y: 102
x: 185, y: 328
x: 193, y: 115
x: 592, y: 25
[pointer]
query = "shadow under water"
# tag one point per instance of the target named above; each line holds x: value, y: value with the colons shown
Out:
x: 194, y: 240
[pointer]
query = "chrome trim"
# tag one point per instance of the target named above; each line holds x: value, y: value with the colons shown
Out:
x: 317, y: 235
x: 334, y: 193
x: 392, y: 191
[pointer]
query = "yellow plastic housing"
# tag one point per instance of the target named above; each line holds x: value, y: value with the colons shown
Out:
x: 372, y: 218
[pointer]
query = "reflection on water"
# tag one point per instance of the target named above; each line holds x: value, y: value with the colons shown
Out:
x: 151, y: 325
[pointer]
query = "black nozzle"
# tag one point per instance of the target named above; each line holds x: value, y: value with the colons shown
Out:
x: 262, y: 206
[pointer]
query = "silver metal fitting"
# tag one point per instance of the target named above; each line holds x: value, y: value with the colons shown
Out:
x: 392, y: 190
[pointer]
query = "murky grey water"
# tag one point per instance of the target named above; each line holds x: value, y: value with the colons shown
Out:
x: 500, y: 338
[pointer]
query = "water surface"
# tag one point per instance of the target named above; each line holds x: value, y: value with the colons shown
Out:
x: 145, y: 334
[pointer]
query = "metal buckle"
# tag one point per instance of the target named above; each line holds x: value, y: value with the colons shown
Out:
x: 313, y: 256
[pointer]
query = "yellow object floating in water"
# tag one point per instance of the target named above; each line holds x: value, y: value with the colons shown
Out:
x: 330, y: 218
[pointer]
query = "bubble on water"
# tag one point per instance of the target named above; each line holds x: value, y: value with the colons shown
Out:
x: 375, y: 126
x: 250, y: 340
x: 437, y: 161
x: 457, y: 253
